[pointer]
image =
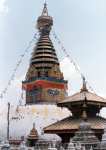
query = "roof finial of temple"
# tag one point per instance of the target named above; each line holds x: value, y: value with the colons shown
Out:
x: 45, y: 10
x: 44, y: 22
x: 84, y: 86
x: 33, y: 125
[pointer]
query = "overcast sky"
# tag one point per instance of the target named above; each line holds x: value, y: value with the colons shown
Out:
x: 80, y: 25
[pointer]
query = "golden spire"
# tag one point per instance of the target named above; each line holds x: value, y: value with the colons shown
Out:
x: 44, y: 22
x: 45, y: 10
x: 84, y: 86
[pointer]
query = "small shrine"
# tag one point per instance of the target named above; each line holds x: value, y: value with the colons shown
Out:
x: 32, y: 137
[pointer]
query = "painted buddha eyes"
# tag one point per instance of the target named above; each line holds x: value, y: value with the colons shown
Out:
x: 53, y: 92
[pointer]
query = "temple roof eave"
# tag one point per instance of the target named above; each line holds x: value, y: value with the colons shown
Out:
x: 68, y: 131
x: 80, y: 97
x: 70, y: 125
x: 69, y: 104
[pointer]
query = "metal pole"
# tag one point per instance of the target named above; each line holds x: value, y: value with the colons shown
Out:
x: 8, y: 121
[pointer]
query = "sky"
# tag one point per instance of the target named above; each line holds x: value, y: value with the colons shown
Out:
x: 81, y: 27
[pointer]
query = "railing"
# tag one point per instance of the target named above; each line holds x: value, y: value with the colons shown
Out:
x: 65, y: 146
x: 53, y: 145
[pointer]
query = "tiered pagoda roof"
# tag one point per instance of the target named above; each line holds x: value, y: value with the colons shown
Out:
x: 71, y: 124
x: 83, y: 105
x: 75, y: 102
x: 82, y: 96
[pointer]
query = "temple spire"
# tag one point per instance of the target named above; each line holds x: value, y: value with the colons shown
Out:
x: 44, y: 22
x: 45, y: 10
x: 33, y: 125
x: 84, y: 86
x: 44, y: 79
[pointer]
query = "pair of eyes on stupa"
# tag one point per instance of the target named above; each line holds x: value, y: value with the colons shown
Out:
x: 53, y: 92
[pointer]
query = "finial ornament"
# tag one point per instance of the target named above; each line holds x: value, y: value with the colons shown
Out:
x: 45, y: 2
x: 45, y: 10
x: 45, y: 22
x: 33, y: 125
x: 84, y: 87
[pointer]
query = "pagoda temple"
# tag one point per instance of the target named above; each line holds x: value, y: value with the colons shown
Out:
x: 83, y: 104
x: 44, y: 80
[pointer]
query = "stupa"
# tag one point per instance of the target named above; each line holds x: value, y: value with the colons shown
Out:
x: 44, y: 80
x: 33, y: 137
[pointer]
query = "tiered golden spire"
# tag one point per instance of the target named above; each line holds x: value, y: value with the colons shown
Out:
x: 44, y: 75
x: 33, y: 133
x: 44, y: 55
